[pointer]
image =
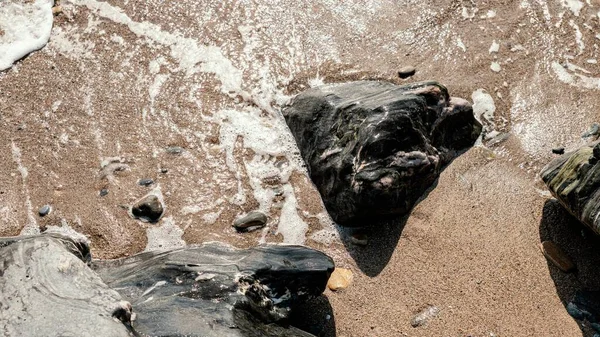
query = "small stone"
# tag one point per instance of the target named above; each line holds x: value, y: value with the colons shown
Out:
x: 44, y: 210
x: 145, y: 182
x: 103, y: 192
x: 174, y: 150
x: 359, y: 239
x: 57, y: 10
x: 594, y: 130
x: 557, y: 256
x: 495, y: 66
x: 341, y: 278
x: 406, y: 72
x: 558, y: 150
x: 149, y: 208
x: 252, y: 219
x: 425, y: 316
x: 164, y: 170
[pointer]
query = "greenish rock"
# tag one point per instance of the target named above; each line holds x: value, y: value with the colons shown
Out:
x: 574, y: 179
x: 373, y: 148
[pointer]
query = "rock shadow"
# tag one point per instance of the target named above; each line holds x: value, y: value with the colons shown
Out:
x: 383, y: 236
x: 582, y: 246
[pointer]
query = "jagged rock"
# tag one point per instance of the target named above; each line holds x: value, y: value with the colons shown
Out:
x: 372, y: 148
x: 149, y: 208
x: 574, y: 179
x: 585, y: 306
x: 212, y: 290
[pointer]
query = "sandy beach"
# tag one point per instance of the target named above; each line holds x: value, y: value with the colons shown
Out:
x: 188, y: 94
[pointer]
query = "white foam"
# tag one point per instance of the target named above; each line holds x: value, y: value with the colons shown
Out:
x: 191, y: 56
x: 166, y: 236
x: 570, y: 76
x: 460, y: 44
x: 574, y: 6
x: 291, y: 225
x: 31, y: 227
x: 25, y: 26
x: 494, y: 47
x: 495, y: 66
x: 483, y: 105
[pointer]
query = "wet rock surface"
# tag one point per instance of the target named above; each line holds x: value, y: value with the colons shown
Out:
x: 149, y: 208
x: 252, y: 219
x: 373, y: 148
x: 208, y: 290
x: 573, y: 179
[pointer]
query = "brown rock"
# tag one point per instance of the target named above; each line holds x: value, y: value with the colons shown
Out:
x: 406, y: 72
x: 557, y: 256
x: 341, y: 278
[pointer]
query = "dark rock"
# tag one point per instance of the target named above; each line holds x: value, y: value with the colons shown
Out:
x: 252, y: 219
x: 373, y: 148
x: 406, y: 72
x: 44, y: 210
x: 164, y: 170
x: 585, y: 306
x: 573, y: 179
x: 49, y: 289
x: 149, y: 208
x: 250, y: 292
x: 145, y: 182
x: 558, y: 150
x: 103, y: 192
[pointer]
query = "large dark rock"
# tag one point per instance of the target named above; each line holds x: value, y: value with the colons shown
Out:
x: 372, y: 148
x: 574, y: 179
x: 46, y: 289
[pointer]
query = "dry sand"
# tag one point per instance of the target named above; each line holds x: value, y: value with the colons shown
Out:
x: 124, y: 80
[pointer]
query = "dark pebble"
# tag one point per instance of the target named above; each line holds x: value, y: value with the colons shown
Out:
x: 253, y: 219
x: 146, y: 182
x: 103, y: 192
x: 149, y: 208
x: 406, y: 72
x: 558, y: 150
x: 164, y: 170
x: 44, y: 210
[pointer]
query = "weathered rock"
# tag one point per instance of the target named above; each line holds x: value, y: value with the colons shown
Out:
x: 47, y: 289
x: 252, y: 219
x: 372, y: 148
x: 425, y: 316
x: 585, y: 306
x: 406, y: 72
x: 145, y: 182
x: 341, y: 278
x: 149, y: 208
x: 574, y: 179
x: 557, y: 256
x: 44, y: 210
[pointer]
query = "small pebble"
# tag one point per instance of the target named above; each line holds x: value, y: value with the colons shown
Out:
x: 558, y: 150
x: 145, y: 182
x: 406, y: 72
x: 425, y: 316
x: 56, y: 10
x: 557, y: 256
x: 44, y: 210
x: 174, y: 150
x: 341, y: 278
x: 103, y: 192
x: 149, y: 208
x: 252, y: 219
x: 164, y: 170
x: 359, y: 239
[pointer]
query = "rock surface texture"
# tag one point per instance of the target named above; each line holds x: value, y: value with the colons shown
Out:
x: 373, y: 148
x: 573, y: 179
x: 47, y: 289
